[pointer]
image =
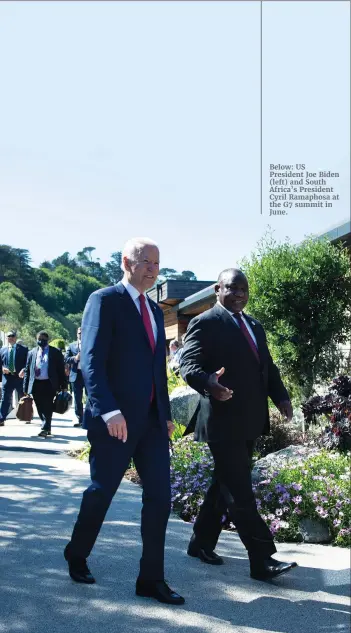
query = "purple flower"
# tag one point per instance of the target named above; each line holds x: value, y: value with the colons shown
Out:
x: 336, y: 522
x: 297, y: 499
x: 296, y: 486
x: 322, y: 512
x: 297, y: 511
x: 285, y: 497
x: 280, y: 488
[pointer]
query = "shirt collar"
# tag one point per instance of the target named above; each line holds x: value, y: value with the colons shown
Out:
x: 134, y: 293
x: 226, y: 309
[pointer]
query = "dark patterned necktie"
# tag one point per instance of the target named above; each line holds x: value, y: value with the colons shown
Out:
x: 247, y: 334
x: 11, y: 363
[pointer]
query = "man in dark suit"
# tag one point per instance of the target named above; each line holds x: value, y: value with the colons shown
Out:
x: 227, y: 360
x: 44, y: 376
x: 72, y: 359
x: 13, y: 358
x: 127, y: 415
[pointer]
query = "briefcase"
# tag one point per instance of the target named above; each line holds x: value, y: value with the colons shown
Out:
x: 24, y: 410
x: 62, y: 402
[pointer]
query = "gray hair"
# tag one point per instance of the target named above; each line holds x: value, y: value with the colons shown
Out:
x: 133, y: 247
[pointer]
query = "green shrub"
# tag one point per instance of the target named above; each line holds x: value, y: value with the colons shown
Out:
x: 174, y: 380
x: 59, y: 343
x: 283, y: 434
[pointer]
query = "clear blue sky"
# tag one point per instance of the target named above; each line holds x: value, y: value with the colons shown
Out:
x: 142, y: 118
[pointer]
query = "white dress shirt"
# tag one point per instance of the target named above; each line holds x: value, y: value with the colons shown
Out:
x: 134, y: 293
x: 247, y: 323
x: 42, y: 363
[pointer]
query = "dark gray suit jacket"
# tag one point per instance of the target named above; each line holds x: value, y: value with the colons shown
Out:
x: 213, y: 341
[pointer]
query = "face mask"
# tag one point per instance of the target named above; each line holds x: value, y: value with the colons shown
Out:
x: 42, y: 343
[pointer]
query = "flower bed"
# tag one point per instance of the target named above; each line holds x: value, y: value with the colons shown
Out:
x: 317, y: 488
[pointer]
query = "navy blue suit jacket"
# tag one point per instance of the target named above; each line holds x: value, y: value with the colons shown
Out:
x: 20, y: 360
x: 117, y: 361
x: 71, y: 352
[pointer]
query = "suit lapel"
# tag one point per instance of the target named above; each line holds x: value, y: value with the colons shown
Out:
x: 158, y: 321
x: 34, y: 360
x: 258, y: 336
x: 227, y: 318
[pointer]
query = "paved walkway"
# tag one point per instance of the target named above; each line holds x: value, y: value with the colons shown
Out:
x: 40, y: 491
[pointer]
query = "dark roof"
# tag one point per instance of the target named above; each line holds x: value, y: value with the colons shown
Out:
x: 173, y: 291
x: 198, y: 297
x: 339, y: 233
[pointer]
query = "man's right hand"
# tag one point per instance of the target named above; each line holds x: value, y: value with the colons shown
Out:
x: 5, y: 370
x: 117, y: 427
x: 218, y: 391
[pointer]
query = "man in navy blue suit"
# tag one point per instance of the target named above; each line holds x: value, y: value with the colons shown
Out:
x: 13, y: 358
x: 72, y: 358
x: 123, y: 360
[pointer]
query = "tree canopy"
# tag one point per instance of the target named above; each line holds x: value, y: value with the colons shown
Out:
x: 302, y: 295
x: 54, y: 295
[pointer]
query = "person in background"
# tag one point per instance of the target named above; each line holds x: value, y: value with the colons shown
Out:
x: 13, y: 358
x: 173, y: 361
x: 44, y: 376
x: 72, y: 359
x: 227, y: 360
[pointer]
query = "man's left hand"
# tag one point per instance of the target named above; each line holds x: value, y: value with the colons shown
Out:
x: 286, y: 409
x: 170, y: 427
x: 21, y: 374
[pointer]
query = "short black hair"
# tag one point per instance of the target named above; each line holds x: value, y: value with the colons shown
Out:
x: 229, y: 271
x: 42, y: 333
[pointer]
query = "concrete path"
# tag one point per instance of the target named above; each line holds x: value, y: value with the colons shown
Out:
x: 40, y: 492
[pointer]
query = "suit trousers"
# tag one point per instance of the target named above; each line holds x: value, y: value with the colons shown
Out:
x: 231, y: 490
x: 78, y: 386
x: 13, y: 382
x: 43, y: 395
x: 109, y: 459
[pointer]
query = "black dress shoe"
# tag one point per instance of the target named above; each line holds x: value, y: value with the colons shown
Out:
x: 269, y: 568
x: 43, y: 434
x: 158, y: 590
x: 78, y: 425
x: 2, y: 422
x: 78, y: 568
x: 204, y: 554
